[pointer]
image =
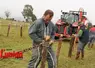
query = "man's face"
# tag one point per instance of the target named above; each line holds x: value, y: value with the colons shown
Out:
x: 48, y: 18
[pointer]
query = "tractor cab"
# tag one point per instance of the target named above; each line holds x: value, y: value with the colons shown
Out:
x: 79, y: 16
x: 61, y: 25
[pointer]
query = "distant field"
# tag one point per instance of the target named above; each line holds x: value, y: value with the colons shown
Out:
x: 17, y: 43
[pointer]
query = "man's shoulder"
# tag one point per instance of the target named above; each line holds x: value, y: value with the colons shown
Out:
x: 39, y: 20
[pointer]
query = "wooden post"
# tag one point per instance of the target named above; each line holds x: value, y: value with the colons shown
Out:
x: 20, y: 30
x: 58, y: 49
x: 0, y: 25
x: 72, y: 43
x: 16, y: 25
x: 8, y: 30
x: 75, y: 44
x: 44, y: 54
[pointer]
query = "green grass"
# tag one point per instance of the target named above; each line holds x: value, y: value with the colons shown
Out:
x: 16, y: 43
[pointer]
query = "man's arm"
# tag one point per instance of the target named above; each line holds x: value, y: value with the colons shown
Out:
x: 32, y: 32
x: 80, y: 33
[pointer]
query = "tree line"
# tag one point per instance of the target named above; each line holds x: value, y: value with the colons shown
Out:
x: 27, y: 13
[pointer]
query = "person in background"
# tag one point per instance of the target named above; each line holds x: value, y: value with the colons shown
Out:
x: 91, y: 37
x: 83, y: 35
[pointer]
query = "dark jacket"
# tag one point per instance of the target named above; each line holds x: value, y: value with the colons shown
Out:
x: 36, y: 30
x: 85, y: 35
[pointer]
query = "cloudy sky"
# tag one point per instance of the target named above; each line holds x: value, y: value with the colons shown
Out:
x: 16, y: 7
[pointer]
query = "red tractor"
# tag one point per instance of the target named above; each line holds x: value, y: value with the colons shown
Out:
x: 68, y: 23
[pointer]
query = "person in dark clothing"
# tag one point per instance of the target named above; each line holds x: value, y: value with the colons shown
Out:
x: 91, y: 37
x: 42, y: 29
x: 83, y: 36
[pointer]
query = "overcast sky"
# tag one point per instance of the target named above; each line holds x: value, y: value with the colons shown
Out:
x: 16, y: 7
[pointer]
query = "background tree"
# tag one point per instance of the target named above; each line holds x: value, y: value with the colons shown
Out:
x: 7, y: 14
x: 34, y: 17
x: 28, y: 13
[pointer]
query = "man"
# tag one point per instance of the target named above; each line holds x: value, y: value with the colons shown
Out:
x: 42, y: 29
x: 83, y: 36
x: 91, y: 37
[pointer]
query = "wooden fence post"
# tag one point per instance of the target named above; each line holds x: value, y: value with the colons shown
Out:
x: 8, y: 30
x: 20, y: 30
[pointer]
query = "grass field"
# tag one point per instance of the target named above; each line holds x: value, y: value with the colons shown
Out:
x: 17, y: 43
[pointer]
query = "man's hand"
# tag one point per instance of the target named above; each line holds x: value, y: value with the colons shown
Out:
x: 47, y: 38
x: 61, y: 35
x: 74, y: 35
x: 51, y: 42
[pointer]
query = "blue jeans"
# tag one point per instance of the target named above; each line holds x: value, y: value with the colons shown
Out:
x: 81, y: 46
